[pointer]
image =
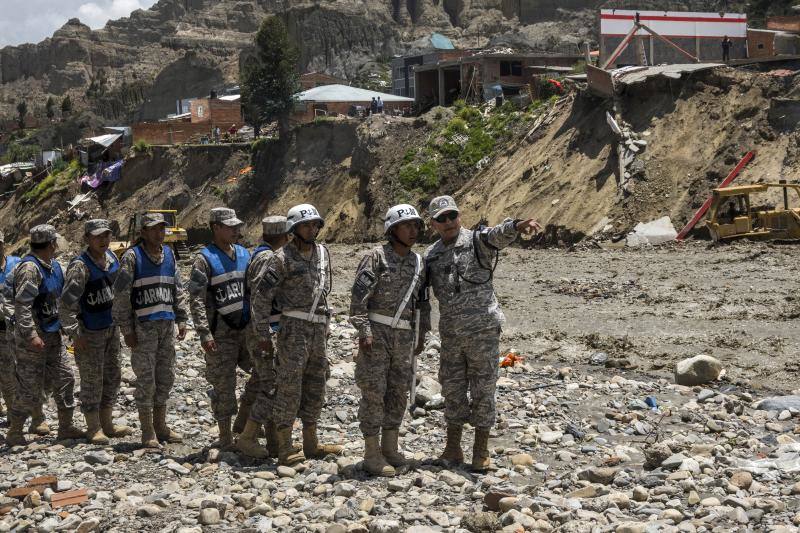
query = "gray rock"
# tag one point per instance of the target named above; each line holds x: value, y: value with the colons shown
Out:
x: 286, y: 471
x: 779, y: 403
x: 697, y: 370
x: 148, y: 510
x: 98, y: 457
x: 674, y: 461
x: 598, y: 474
x: 480, y: 522
x: 209, y: 516
x: 399, y: 485
x: 384, y: 526
x: 90, y: 524
x: 451, y: 478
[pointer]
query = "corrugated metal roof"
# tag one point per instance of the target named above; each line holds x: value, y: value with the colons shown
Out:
x: 346, y: 93
x: 106, y: 140
x: 631, y: 75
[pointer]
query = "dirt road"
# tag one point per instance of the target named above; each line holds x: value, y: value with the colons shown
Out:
x: 647, y: 308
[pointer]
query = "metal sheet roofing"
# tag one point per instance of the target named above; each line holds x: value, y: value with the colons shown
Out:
x: 346, y: 93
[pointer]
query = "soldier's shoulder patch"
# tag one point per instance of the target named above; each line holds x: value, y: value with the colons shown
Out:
x: 271, y: 277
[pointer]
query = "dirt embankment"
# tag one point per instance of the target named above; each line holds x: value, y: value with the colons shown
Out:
x: 565, y: 172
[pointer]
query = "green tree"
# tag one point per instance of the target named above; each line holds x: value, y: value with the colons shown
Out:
x: 49, y: 108
x: 66, y: 106
x: 269, y: 78
x: 22, y: 110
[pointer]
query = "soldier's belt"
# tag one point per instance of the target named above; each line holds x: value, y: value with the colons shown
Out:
x: 315, y: 318
x: 387, y: 321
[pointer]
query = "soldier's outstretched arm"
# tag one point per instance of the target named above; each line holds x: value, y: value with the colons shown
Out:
x: 74, y: 285
x: 122, y: 310
x: 27, y: 280
x: 198, y: 291
x: 360, y: 294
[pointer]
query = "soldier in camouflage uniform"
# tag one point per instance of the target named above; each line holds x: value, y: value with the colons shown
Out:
x: 8, y: 380
x: 297, y: 277
x: 460, y: 270
x: 149, y: 302
x: 221, y: 311
x: 383, y: 300
x: 42, y: 362
x: 86, y: 318
x: 7, y: 360
x: 264, y: 320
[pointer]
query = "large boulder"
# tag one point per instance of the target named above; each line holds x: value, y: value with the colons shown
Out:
x: 697, y: 370
x: 779, y: 403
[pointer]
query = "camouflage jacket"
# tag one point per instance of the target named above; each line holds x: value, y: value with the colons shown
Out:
x: 460, y: 276
x: 382, y: 280
x: 25, y: 287
x: 291, y: 280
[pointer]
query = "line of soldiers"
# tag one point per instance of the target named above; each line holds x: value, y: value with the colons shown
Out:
x: 267, y: 313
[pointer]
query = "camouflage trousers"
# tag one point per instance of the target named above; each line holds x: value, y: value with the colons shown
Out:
x: 153, y: 362
x: 221, y: 371
x: 40, y: 372
x: 301, y: 372
x: 384, y: 376
x: 8, y: 364
x: 468, y: 363
x: 264, y: 380
x: 99, y: 369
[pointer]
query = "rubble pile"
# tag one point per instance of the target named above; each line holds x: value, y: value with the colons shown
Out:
x: 572, y: 450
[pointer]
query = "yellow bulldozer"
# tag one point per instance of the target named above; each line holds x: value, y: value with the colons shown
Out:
x: 733, y: 214
x: 176, y: 238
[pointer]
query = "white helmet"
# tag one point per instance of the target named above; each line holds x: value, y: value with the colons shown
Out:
x: 400, y: 213
x: 302, y: 213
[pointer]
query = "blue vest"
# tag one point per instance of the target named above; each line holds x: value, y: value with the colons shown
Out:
x: 11, y: 262
x: 275, y: 313
x: 153, y: 292
x: 227, y: 285
x: 98, y: 294
x: 45, y: 305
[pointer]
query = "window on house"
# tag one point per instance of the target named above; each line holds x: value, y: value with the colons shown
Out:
x: 511, y: 68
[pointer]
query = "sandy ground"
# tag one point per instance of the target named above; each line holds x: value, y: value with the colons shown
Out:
x: 646, y: 308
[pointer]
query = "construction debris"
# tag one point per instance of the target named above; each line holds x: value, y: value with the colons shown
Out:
x: 656, y: 232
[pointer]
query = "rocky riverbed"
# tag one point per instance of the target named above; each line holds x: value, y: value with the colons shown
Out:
x: 593, y: 432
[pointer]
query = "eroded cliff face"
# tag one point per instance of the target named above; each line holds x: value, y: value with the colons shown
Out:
x: 157, y: 49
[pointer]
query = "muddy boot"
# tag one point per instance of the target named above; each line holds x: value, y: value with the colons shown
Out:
x: 15, y: 436
x: 452, y: 450
x: 480, y: 450
x: 247, y: 443
x: 225, y: 440
x: 374, y: 462
x: 38, y: 423
x: 163, y: 432
x: 271, y: 433
x: 287, y: 456
x: 94, y: 433
x: 66, y: 429
x: 389, y: 448
x: 148, y: 432
x: 312, y: 449
x: 109, y: 427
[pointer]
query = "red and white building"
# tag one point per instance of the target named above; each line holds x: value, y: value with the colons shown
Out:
x: 700, y: 34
